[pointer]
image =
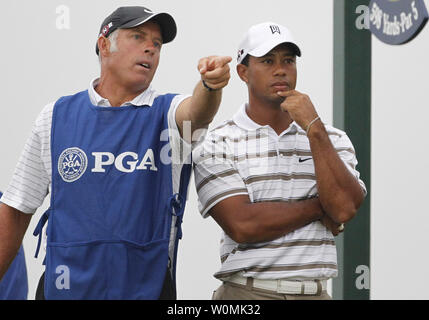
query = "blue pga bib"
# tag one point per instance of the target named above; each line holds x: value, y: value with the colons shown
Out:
x: 112, y: 201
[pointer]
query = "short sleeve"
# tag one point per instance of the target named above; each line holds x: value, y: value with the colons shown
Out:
x: 347, y: 153
x: 31, y: 178
x: 216, y: 176
x: 180, y: 148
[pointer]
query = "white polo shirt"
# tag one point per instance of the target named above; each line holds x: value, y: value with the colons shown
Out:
x: 241, y: 157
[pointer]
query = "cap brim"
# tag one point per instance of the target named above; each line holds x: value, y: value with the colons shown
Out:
x: 165, y: 21
x: 267, y: 47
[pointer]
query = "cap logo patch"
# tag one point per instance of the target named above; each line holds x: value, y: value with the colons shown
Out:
x: 106, y: 29
x: 275, y: 29
x: 240, y: 53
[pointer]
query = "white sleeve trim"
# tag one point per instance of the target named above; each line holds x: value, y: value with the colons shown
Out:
x: 205, y: 213
x: 32, y: 176
x: 180, y: 149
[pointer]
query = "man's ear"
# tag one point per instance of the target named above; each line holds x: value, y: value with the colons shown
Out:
x: 103, y: 46
x: 242, y: 72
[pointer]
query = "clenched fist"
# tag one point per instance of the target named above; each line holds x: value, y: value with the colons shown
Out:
x: 214, y: 71
x: 299, y: 106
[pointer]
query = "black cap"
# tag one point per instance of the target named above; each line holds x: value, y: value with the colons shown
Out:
x: 130, y: 17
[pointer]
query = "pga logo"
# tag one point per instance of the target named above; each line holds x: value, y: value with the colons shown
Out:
x: 73, y: 162
x: 125, y: 162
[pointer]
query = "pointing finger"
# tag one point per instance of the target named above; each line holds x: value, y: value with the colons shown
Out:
x: 221, y: 61
x: 205, y: 64
x: 202, y: 66
x: 213, y: 62
x: 218, y: 72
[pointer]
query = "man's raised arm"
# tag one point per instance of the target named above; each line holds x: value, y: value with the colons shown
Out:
x: 202, y: 106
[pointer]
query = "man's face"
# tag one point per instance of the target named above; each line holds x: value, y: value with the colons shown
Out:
x: 265, y: 76
x: 136, y: 60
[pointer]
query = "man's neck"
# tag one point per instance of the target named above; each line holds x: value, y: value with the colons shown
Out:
x: 271, y: 114
x: 116, y: 94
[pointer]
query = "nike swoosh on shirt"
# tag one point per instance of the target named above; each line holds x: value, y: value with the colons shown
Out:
x: 303, y: 160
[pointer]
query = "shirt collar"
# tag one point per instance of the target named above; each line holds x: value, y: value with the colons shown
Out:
x: 146, y: 98
x: 242, y: 120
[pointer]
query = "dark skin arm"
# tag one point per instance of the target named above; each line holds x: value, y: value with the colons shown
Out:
x: 13, y: 225
x: 247, y: 222
x: 339, y: 191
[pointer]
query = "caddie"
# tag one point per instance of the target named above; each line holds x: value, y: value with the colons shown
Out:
x: 116, y: 196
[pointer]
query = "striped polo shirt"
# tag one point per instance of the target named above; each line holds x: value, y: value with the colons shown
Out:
x: 241, y: 157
